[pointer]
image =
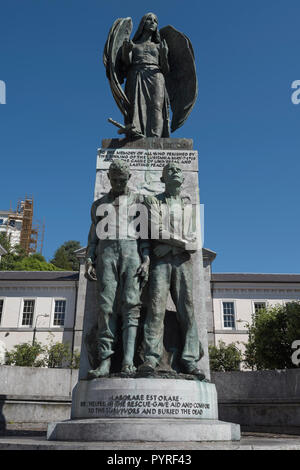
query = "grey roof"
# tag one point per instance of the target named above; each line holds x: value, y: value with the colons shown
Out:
x: 255, y: 277
x: 39, y: 276
x: 81, y: 252
x: 216, y: 277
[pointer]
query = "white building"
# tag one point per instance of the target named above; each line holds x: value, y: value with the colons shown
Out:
x: 20, y: 227
x: 52, y: 303
x: 37, y: 303
x: 237, y: 296
x: 11, y: 227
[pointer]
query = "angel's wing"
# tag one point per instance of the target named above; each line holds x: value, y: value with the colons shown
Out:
x: 120, y: 30
x: 181, y: 81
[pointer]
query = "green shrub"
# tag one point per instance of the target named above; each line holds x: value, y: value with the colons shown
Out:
x: 75, y: 360
x: 54, y: 355
x: 57, y: 355
x: 25, y: 355
x: 224, y: 358
x: 271, y: 335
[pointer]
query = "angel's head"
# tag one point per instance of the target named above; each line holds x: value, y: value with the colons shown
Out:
x: 149, y: 22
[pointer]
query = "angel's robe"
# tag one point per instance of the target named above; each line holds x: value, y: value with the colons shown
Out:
x: 147, y: 93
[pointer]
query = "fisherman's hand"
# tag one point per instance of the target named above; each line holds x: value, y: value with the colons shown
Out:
x: 90, y: 272
x: 143, y: 270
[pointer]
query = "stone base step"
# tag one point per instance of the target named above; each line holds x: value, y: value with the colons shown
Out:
x: 143, y: 429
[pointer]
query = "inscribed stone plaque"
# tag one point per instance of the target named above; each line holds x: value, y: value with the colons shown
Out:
x: 155, y: 159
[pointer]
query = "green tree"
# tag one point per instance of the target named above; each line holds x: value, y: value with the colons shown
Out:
x: 13, y: 254
x: 25, y: 355
x: 35, y: 262
x: 53, y: 355
x: 4, y: 241
x: 64, y: 256
x: 224, y: 358
x: 58, y: 355
x: 75, y: 362
x: 17, y: 260
x: 271, y: 335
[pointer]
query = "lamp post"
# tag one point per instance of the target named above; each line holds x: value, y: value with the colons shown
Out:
x: 242, y: 321
x: 34, y: 329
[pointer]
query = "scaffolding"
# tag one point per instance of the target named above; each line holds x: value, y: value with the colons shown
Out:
x: 31, y: 232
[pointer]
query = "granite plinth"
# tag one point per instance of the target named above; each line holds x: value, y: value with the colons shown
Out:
x: 146, y: 429
x: 144, y: 398
x: 150, y: 410
x: 168, y: 143
x: 147, y: 157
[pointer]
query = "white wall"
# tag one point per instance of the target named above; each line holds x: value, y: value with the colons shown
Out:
x: 243, y: 295
x: 14, y: 293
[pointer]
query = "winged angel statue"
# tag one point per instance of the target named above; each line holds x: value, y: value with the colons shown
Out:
x: 159, y: 69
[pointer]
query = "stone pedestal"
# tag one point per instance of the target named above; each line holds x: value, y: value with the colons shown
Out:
x: 117, y: 409
x: 147, y: 158
x: 145, y: 409
x: 144, y: 398
x: 143, y: 430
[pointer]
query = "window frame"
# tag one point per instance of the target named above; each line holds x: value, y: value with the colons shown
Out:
x: 258, y: 302
x: 231, y: 301
x: 58, y: 299
x: 3, y: 299
x: 23, y: 300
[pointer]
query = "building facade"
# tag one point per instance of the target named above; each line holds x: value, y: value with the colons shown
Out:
x: 37, y: 304
x: 11, y: 227
x: 237, y: 296
x: 50, y: 305
x: 20, y: 228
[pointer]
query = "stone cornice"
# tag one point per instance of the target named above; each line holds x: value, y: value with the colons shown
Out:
x: 256, y: 289
x: 20, y: 285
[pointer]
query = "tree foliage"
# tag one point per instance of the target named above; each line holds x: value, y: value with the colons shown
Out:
x: 65, y: 258
x: 224, y: 358
x: 4, y: 241
x: 25, y: 355
x: 53, y: 355
x: 35, y: 262
x: 17, y: 260
x: 57, y: 355
x: 271, y: 334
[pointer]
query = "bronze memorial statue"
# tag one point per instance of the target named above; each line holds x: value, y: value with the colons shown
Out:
x: 171, y: 270
x: 159, y: 70
x: 115, y: 262
x: 144, y: 292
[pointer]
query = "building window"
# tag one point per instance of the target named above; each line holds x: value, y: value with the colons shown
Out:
x: 28, y: 310
x: 59, y: 313
x: 1, y: 309
x: 259, y: 306
x: 228, y: 315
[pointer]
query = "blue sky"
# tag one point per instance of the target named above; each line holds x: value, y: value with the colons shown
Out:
x: 244, y: 124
